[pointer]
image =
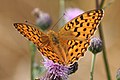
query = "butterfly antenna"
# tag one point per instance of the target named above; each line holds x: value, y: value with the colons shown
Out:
x: 30, y: 23
x: 57, y: 21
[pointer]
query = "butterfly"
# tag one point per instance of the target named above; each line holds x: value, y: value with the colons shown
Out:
x: 70, y: 43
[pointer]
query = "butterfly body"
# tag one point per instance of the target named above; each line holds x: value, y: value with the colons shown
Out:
x: 57, y: 46
x: 70, y: 43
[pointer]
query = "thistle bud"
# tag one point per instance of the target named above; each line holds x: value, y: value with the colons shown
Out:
x: 95, y: 45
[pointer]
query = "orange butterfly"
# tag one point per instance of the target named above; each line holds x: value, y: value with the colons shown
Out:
x: 70, y: 43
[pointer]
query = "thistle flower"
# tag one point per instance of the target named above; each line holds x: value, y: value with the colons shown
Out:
x: 118, y: 74
x: 95, y: 45
x: 71, y: 13
x: 54, y: 71
x: 43, y: 20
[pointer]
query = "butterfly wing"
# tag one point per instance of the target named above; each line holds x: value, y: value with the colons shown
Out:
x: 32, y: 33
x: 78, y: 31
x: 40, y: 39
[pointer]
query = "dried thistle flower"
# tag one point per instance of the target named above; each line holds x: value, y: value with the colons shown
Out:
x: 95, y: 45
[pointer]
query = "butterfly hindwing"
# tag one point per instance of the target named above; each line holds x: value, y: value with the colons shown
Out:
x: 76, y: 50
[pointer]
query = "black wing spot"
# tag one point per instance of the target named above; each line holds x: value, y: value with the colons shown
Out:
x: 82, y: 54
x: 84, y: 29
x: 87, y: 36
x: 97, y: 11
x: 69, y: 26
x: 34, y: 38
x: 79, y: 45
x: 77, y: 58
x: 93, y: 17
x: 72, y: 46
x: 59, y: 62
x: 54, y: 60
x: 94, y: 28
x: 73, y: 58
x: 57, y: 57
x: 78, y: 34
x: 80, y: 42
x: 91, y: 30
x: 69, y: 48
x: 53, y: 55
x: 78, y: 54
x: 94, y: 13
x: 81, y: 17
x: 81, y: 24
x: 69, y: 42
x: 75, y: 30
x: 92, y: 25
x: 71, y: 54
x: 86, y: 44
x: 49, y: 57
x: 77, y: 22
x: 88, y: 24
x: 83, y: 50
x: 72, y: 23
x: 83, y: 34
x: 76, y: 43
x: 76, y: 50
x: 86, y: 20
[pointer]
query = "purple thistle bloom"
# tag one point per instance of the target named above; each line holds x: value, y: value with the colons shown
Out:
x: 71, y: 13
x: 55, y: 71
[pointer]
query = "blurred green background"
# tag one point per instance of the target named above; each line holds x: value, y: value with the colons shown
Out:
x: 14, y: 49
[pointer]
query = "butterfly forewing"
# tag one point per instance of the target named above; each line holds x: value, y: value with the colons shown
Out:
x: 84, y: 25
x: 33, y: 34
x: 79, y: 30
x: 40, y: 39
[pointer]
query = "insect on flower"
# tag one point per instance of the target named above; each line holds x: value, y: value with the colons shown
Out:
x: 70, y: 43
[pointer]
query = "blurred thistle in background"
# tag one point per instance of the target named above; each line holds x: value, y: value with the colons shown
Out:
x: 95, y: 45
x: 43, y: 20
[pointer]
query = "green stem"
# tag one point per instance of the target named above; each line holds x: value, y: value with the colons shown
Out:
x: 102, y: 3
x: 102, y: 38
x: 32, y: 50
x: 62, y: 7
x: 104, y: 53
x: 92, y: 66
